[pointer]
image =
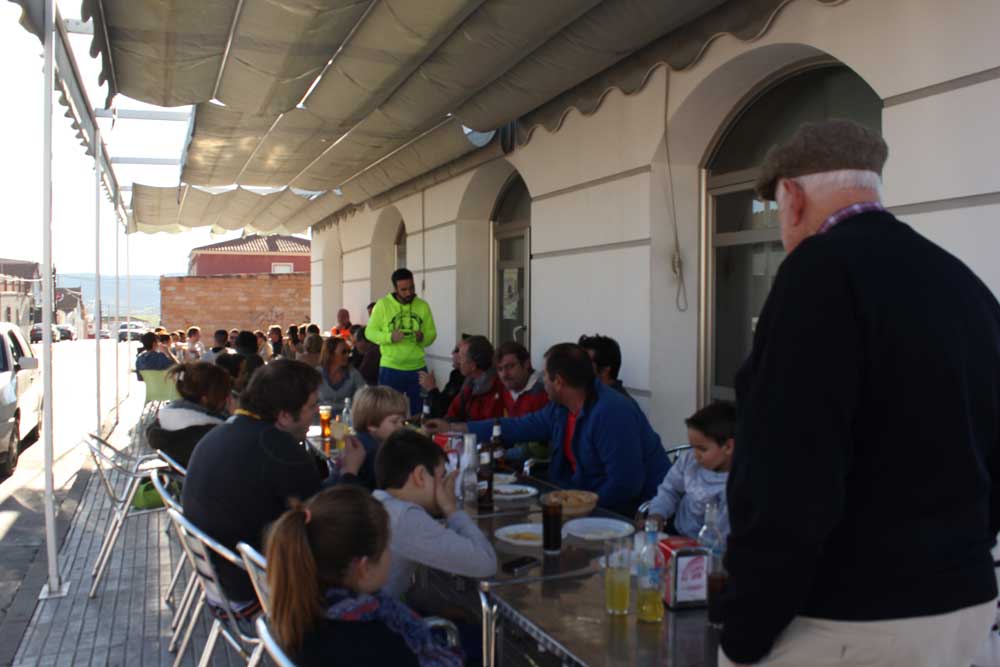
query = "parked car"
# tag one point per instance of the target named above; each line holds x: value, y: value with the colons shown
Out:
x: 131, y: 331
x: 36, y: 333
x: 105, y: 333
x: 66, y: 332
x: 20, y: 395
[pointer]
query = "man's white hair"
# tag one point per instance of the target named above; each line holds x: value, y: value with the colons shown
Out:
x: 843, y: 179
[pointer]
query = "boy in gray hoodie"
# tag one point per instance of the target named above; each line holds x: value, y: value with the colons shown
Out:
x: 414, y: 489
x: 699, y: 473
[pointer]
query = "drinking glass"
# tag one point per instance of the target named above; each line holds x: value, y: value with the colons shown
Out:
x: 617, y: 575
x: 325, y: 415
x: 551, y: 525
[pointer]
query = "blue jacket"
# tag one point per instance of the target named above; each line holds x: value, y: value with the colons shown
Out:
x: 618, y: 454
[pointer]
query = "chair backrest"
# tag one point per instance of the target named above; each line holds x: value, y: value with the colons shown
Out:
x: 172, y: 462
x: 199, y: 548
x: 109, y: 460
x: 158, y: 387
x: 271, y: 645
x: 675, y: 452
x: 256, y: 566
x: 167, y: 488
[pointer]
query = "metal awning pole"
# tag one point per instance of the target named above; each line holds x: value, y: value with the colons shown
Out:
x: 118, y: 318
x: 128, y: 304
x: 97, y: 263
x: 54, y: 586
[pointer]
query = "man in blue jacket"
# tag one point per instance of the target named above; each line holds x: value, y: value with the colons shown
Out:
x: 600, y: 440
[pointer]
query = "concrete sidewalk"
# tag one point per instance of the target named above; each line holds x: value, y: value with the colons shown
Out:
x: 126, y: 623
x: 23, y: 565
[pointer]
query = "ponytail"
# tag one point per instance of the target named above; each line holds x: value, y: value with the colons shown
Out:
x: 310, y: 549
x: 291, y: 579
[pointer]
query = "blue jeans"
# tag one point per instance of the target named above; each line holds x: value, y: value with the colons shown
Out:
x: 406, y: 383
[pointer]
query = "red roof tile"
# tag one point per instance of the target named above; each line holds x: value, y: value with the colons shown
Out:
x: 257, y: 244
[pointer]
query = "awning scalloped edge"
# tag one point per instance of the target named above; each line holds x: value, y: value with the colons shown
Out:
x: 677, y: 51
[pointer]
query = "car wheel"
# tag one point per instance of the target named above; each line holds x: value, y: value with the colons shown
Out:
x: 7, y: 467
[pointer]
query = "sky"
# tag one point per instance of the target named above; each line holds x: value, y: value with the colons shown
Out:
x: 73, y: 209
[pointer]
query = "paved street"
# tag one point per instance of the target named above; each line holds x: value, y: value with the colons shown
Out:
x: 21, y: 495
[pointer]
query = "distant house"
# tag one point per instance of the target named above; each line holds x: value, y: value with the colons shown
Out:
x: 251, y: 254
x: 20, y: 292
x: 70, y: 309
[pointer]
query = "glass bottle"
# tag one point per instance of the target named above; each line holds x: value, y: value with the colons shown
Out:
x: 468, y: 480
x: 345, y: 415
x: 652, y: 568
x: 425, y: 413
x: 711, y: 537
x: 485, y: 478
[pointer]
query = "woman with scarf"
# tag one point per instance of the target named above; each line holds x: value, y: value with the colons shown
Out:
x: 340, y: 379
x: 326, y: 561
x: 206, y: 392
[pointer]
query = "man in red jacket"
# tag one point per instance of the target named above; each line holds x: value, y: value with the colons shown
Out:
x: 524, y: 387
x: 481, y: 396
x: 524, y: 393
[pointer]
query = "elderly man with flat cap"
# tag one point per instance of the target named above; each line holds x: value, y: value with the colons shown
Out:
x: 863, y: 496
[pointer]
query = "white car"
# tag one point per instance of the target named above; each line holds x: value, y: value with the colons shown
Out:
x: 20, y: 395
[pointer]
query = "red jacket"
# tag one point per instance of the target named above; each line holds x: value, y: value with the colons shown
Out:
x: 485, y: 403
x: 532, y: 399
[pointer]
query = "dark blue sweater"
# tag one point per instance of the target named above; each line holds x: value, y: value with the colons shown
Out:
x: 618, y: 454
x: 864, y: 483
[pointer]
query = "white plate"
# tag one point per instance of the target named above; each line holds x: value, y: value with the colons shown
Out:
x: 513, y: 492
x: 504, y: 478
x: 518, y: 534
x: 596, y: 528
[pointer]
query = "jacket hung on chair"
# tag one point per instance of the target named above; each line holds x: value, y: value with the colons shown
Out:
x: 178, y: 427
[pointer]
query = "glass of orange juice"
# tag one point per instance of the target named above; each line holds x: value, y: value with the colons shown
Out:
x: 617, y: 575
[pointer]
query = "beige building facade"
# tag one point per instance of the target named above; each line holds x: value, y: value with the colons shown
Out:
x: 636, y: 219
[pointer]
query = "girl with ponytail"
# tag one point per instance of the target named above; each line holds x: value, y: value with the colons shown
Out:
x: 327, y: 558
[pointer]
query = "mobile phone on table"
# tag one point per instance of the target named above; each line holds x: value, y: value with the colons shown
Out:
x: 519, y: 565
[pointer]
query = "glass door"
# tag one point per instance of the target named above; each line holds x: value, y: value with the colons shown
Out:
x: 746, y: 254
x: 512, y: 286
x: 511, y: 262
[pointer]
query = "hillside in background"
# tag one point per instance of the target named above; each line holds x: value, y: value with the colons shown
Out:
x: 145, y: 293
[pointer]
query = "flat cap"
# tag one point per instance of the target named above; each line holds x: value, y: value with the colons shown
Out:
x: 817, y: 147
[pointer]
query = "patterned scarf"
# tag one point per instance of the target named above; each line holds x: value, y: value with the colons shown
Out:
x: 346, y: 605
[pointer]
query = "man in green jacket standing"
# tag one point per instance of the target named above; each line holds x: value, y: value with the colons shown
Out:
x: 402, y: 326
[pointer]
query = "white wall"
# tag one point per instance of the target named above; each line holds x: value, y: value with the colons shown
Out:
x: 610, y: 191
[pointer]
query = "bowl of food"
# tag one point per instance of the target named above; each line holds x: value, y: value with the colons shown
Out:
x: 574, y: 503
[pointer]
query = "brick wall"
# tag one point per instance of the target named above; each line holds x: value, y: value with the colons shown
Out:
x: 242, y: 301
x: 209, y: 264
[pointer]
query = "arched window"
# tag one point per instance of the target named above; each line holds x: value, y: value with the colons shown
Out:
x: 744, y: 232
x: 400, y: 246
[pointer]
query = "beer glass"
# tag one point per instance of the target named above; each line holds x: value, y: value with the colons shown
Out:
x: 617, y: 575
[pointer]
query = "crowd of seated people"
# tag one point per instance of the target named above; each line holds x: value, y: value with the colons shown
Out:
x: 390, y: 507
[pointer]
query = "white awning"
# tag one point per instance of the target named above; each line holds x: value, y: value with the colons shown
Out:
x: 365, y: 96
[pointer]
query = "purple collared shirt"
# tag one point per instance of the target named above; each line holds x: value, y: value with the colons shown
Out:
x: 850, y: 212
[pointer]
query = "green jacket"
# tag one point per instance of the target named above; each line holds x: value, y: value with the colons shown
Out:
x: 390, y: 315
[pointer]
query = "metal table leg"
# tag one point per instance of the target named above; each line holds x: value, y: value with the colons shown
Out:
x: 489, y: 629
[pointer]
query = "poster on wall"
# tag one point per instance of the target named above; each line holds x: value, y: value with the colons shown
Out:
x: 511, y: 294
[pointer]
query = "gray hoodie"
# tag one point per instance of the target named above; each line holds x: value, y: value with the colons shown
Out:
x: 684, y: 492
x: 416, y: 538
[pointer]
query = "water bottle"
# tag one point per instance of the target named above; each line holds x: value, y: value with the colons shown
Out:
x: 345, y: 415
x: 469, y: 477
x: 651, y: 570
